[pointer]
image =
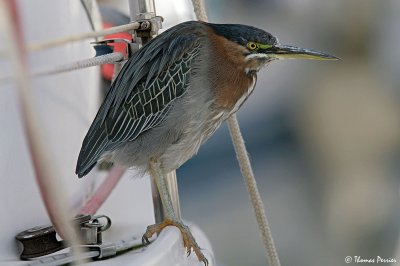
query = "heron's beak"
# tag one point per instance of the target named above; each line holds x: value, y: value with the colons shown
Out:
x: 292, y: 52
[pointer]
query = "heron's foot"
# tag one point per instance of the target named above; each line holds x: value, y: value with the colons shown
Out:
x: 188, y: 240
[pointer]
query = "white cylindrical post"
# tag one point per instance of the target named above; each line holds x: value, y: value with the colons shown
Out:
x: 145, y: 9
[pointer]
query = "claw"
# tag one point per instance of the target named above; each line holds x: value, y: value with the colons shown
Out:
x: 188, y: 240
x: 145, y: 241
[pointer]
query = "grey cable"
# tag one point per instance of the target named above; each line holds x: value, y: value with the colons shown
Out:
x: 88, y: 35
x: 95, y: 61
x: 200, y: 10
x: 246, y: 169
x: 251, y: 184
x: 44, y: 167
x: 34, y: 47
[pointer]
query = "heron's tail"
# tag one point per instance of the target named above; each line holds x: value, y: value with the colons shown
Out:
x: 93, y: 147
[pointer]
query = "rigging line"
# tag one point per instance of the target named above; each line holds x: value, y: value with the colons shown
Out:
x: 88, y: 35
x: 251, y: 184
x: 34, y: 47
x: 81, y: 64
x: 45, y: 171
x: 101, y: 194
x: 246, y: 168
x: 85, y: 63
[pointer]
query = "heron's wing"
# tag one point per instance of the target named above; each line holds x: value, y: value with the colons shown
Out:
x: 141, y: 95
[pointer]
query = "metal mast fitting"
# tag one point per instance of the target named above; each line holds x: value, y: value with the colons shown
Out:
x: 150, y: 24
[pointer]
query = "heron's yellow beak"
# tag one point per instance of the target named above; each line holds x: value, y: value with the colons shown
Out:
x: 292, y: 52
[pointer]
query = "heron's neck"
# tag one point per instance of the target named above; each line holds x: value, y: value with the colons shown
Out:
x: 227, y: 72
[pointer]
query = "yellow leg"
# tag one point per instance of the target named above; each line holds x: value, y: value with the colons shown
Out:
x: 170, y: 218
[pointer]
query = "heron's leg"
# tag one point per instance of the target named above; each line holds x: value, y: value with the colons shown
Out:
x: 170, y: 218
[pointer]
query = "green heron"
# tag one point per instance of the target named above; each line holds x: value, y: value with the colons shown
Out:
x: 172, y: 95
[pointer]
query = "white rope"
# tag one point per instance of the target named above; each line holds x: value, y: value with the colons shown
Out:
x: 34, y: 47
x: 95, y: 61
x: 251, y: 184
x: 79, y: 37
x: 200, y: 10
x: 246, y: 169
x: 45, y: 171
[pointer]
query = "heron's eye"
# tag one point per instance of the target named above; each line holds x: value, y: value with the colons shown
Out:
x: 252, y: 45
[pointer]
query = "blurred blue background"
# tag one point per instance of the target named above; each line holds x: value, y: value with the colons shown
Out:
x: 323, y: 138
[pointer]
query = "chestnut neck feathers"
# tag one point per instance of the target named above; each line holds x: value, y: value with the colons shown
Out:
x: 229, y: 73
